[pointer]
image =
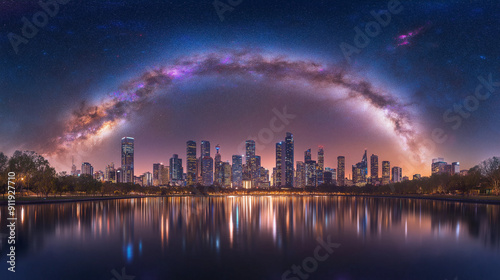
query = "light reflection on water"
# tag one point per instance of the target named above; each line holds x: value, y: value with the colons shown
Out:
x: 256, y: 237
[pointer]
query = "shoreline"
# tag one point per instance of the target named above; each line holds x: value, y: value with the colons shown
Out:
x: 479, y: 199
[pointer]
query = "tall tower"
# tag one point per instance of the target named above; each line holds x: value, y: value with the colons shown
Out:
x: 128, y: 159
x: 218, y: 173
x: 207, y: 164
x: 176, y: 171
x: 237, y: 171
x: 363, y: 166
x: 341, y: 171
x: 374, y: 167
x: 321, y: 158
x: 289, y: 151
x: 278, y: 179
x: 250, y: 161
x: 191, y: 163
x: 386, y: 172
x: 307, y: 155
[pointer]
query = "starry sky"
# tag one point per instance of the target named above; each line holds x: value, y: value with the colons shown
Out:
x: 418, y: 85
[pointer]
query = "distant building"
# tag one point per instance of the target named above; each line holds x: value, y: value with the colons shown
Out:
x: 156, y: 174
x: 310, y: 168
x: 207, y: 164
x: 218, y: 171
x: 191, y: 163
x: 110, y: 173
x: 280, y: 167
x: 127, y: 153
x: 237, y: 171
x: 374, y: 168
x: 340, y: 171
x: 405, y: 178
x: 176, y: 170
x: 300, y: 175
x: 417, y: 177
x: 147, y: 179
x: 225, y: 174
x: 455, y: 168
x: 386, y: 172
x: 439, y: 166
x: 87, y: 169
x: 397, y: 174
x: 164, y: 175
x: 289, y: 160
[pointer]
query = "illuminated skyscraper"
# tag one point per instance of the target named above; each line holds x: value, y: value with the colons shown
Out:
x: 191, y: 163
x: 225, y: 170
x: 87, y: 169
x: 289, y: 160
x: 307, y: 155
x: 300, y: 175
x: 310, y: 167
x: 237, y: 171
x: 280, y: 169
x: 320, y: 167
x: 374, y: 168
x: 340, y: 171
x: 397, y: 174
x: 386, y: 172
x: 218, y: 171
x: 321, y: 159
x: 128, y: 159
x: 157, y: 173
x: 438, y: 166
x: 207, y: 164
x: 251, y: 172
x: 176, y: 170
x: 205, y: 149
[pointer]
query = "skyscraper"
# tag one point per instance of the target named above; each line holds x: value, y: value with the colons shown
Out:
x: 251, y: 162
x: 340, y: 171
x: 455, y: 168
x: 278, y: 176
x: 237, y: 171
x: 321, y: 159
x: 207, y: 164
x: 300, y: 177
x: 307, y: 155
x: 320, y: 167
x: 386, y: 172
x: 176, y: 170
x: 87, y: 169
x: 205, y: 149
x: 128, y: 159
x: 310, y: 167
x: 191, y: 163
x: 438, y: 166
x: 225, y: 170
x: 397, y: 174
x: 157, y: 173
x: 374, y: 168
x: 218, y: 171
x: 289, y: 160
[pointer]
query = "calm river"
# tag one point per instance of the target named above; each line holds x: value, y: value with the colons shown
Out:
x: 255, y: 237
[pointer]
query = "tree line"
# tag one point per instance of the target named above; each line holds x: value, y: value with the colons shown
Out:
x: 35, y: 175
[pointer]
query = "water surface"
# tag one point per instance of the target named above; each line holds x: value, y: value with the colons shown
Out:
x: 255, y: 237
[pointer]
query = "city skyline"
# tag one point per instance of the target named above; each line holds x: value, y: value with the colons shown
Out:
x: 363, y: 172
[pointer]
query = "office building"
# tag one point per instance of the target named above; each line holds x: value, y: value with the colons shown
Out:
x: 127, y: 152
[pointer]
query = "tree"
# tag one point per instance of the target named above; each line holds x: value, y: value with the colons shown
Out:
x: 490, y: 169
x: 3, y: 173
x: 26, y: 164
x: 45, y: 180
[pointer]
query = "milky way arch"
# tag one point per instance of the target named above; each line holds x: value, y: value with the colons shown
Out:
x: 90, y: 121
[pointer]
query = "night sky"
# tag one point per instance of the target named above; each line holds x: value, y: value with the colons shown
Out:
x: 165, y: 72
